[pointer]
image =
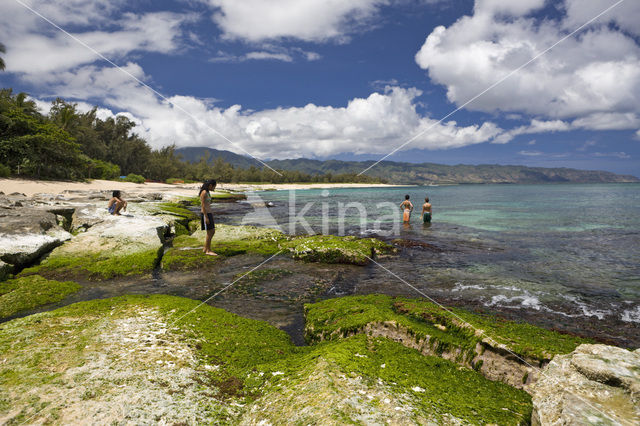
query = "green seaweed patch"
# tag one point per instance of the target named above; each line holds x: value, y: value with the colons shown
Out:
x: 452, y: 327
x: 26, y: 293
x: 337, y: 249
x: 245, y: 359
x: 176, y: 209
x: 520, y: 337
x: 342, y: 317
x: 97, y: 266
x: 436, y: 386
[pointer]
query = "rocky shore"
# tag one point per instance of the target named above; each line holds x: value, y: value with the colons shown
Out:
x: 102, y: 320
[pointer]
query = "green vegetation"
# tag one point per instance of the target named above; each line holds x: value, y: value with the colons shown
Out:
x: 132, y: 177
x: 4, y: 171
x: 333, y: 318
x: 25, y: 293
x: 186, y: 252
x: 334, y: 249
x: 73, y: 145
x: 96, y: 266
x: 250, y: 362
x: 176, y: 209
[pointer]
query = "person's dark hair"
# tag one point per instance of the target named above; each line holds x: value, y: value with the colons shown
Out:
x: 115, y: 194
x: 406, y: 197
x: 205, y: 185
x: 426, y: 199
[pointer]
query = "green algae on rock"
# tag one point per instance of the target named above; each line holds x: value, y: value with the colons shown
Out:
x: 233, y: 240
x: 96, y: 266
x: 118, y: 246
x: 501, y: 350
x: 335, y: 249
x: 169, y: 362
x: 21, y: 294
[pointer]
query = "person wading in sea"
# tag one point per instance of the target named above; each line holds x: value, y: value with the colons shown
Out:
x: 426, y: 211
x: 206, y: 216
x: 408, y: 207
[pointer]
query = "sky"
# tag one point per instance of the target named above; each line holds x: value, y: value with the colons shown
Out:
x: 532, y: 82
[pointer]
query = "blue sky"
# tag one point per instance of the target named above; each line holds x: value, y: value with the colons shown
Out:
x: 347, y: 80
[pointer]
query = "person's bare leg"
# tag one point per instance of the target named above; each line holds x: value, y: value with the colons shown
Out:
x: 119, y: 205
x: 207, y: 243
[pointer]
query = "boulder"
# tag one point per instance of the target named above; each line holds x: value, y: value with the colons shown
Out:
x: 116, y: 246
x: 85, y: 217
x: 28, y: 233
x: 5, y: 270
x: 595, y: 384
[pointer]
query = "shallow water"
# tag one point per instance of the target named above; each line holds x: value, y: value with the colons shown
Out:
x: 559, y: 255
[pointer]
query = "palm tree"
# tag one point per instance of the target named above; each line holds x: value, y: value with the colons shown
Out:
x: 2, y: 50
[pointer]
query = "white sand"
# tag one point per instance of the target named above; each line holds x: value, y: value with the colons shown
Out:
x: 30, y: 187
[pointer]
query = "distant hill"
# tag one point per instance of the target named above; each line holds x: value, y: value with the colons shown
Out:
x: 194, y: 153
x: 423, y: 173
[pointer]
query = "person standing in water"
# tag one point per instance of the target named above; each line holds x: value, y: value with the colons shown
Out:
x: 407, y: 207
x: 206, y: 215
x: 426, y: 211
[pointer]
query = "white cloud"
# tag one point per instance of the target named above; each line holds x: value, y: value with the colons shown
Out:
x: 309, y: 20
x: 621, y: 155
x: 34, y: 47
x: 596, y: 72
x: 531, y: 153
x: 269, y: 52
x: 365, y: 125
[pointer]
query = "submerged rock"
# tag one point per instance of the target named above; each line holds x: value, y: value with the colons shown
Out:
x: 595, y: 384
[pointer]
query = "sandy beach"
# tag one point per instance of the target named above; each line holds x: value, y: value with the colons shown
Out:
x: 30, y: 187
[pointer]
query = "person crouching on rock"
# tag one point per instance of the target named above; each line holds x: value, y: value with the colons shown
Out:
x: 206, y: 218
x: 116, y: 203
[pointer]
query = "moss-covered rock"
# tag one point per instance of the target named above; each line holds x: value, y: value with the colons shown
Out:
x: 335, y: 249
x: 501, y: 350
x: 171, y: 359
x: 233, y: 240
x: 348, y: 315
x: 26, y: 293
x: 119, y: 246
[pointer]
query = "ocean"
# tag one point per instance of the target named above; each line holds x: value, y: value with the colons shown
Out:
x: 565, y: 256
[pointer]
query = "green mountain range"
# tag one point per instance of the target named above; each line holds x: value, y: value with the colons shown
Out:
x: 418, y: 173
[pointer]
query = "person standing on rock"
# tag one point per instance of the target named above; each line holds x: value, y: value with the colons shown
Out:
x: 206, y: 217
x: 116, y: 203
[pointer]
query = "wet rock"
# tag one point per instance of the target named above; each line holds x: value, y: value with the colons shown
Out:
x: 5, y: 270
x: 594, y: 384
x: 26, y: 234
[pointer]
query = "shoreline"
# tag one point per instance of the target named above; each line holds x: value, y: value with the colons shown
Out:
x: 29, y: 187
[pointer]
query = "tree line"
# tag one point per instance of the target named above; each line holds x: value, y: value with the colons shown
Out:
x: 74, y: 145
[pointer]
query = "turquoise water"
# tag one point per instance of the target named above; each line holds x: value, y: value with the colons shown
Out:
x: 565, y: 250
